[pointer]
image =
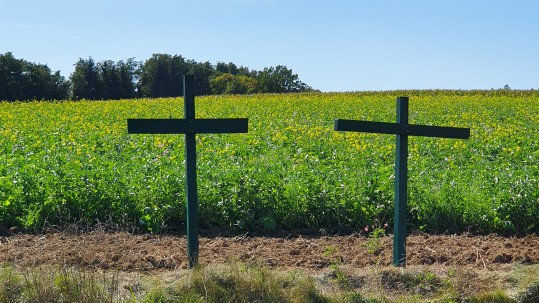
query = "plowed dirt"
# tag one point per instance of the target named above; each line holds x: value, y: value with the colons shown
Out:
x: 127, y: 252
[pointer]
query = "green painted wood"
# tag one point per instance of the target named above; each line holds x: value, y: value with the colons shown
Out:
x: 192, y: 199
x: 191, y: 174
x: 438, y: 131
x: 401, y: 180
x: 182, y: 126
x: 190, y: 127
x: 369, y: 127
x: 402, y: 130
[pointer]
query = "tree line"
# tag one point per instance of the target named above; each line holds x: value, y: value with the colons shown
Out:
x: 159, y: 76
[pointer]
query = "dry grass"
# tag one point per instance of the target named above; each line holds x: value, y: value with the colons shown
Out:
x: 240, y: 282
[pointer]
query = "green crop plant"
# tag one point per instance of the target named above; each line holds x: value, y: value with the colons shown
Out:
x: 73, y: 162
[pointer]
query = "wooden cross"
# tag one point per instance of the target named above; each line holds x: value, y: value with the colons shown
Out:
x: 190, y: 127
x: 402, y: 129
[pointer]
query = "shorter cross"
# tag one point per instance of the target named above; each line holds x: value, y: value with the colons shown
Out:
x: 190, y: 127
x: 402, y: 129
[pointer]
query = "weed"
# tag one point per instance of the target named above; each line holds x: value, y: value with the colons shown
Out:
x: 374, y: 243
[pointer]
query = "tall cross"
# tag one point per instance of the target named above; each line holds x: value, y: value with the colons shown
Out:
x: 190, y: 127
x: 402, y: 129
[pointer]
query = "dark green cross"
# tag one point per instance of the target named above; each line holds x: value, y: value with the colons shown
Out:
x: 190, y: 127
x: 402, y: 129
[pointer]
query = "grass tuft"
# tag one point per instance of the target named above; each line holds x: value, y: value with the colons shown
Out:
x: 246, y: 282
x: 530, y: 294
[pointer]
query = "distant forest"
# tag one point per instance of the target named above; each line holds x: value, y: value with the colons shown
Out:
x: 159, y: 76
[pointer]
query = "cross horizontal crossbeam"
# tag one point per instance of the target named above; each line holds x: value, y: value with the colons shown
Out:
x: 402, y: 129
x: 184, y: 126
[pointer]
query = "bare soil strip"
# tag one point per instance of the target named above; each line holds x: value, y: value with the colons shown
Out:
x: 127, y: 252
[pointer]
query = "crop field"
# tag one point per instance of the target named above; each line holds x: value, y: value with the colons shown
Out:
x: 73, y: 162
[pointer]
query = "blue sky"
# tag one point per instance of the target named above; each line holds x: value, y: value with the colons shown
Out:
x: 332, y: 45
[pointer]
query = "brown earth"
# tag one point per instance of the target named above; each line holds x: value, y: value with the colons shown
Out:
x: 127, y: 252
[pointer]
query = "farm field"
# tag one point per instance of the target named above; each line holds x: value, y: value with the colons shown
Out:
x: 73, y: 162
x: 323, y: 199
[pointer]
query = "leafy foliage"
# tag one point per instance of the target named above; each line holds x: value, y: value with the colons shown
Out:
x: 162, y: 76
x: 104, y: 80
x: 279, y: 80
x: 159, y: 76
x: 74, y: 162
x: 232, y: 84
x: 21, y: 80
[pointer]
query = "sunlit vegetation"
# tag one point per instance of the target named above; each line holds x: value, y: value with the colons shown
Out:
x: 239, y: 282
x: 73, y: 162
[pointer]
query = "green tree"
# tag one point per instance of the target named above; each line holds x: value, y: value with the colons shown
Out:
x: 233, y: 84
x: 86, y: 82
x: 218, y: 84
x: 41, y: 84
x: 241, y: 84
x: 10, y: 77
x: 127, y: 76
x: 226, y: 68
x: 104, y: 80
x: 202, y: 72
x: 231, y: 68
x: 279, y: 79
x: 162, y: 76
x: 60, y: 86
x: 109, y: 79
x: 22, y: 80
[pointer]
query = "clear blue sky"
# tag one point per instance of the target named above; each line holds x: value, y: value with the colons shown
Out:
x: 332, y: 45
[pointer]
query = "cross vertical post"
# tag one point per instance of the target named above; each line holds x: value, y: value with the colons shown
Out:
x: 401, y: 192
x: 191, y: 174
x: 402, y: 130
x: 190, y: 127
